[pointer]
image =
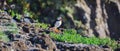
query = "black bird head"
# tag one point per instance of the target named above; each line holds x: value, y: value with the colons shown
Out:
x: 59, y: 18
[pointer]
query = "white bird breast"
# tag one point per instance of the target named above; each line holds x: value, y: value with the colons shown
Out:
x: 58, y: 24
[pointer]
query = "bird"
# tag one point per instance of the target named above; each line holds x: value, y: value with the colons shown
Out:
x: 58, y: 23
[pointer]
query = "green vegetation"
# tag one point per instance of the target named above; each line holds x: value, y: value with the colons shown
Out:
x: 3, y: 37
x: 8, y: 28
x: 11, y: 28
x: 70, y: 36
x: 41, y: 25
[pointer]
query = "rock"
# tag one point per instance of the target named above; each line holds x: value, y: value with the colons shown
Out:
x: 40, y: 48
x: 10, y: 36
x: 12, y: 6
x: 51, y: 45
x: 28, y: 20
x: 79, y: 47
x: 4, y: 17
x: 4, y: 48
x: 26, y: 29
x: 45, y: 41
x: 117, y: 49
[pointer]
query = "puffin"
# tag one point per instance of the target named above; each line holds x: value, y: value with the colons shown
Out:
x: 58, y: 23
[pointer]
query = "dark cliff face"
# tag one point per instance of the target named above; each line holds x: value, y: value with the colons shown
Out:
x: 113, y: 20
x: 99, y: 17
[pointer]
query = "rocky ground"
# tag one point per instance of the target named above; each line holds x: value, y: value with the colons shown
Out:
x: 31, y: 39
